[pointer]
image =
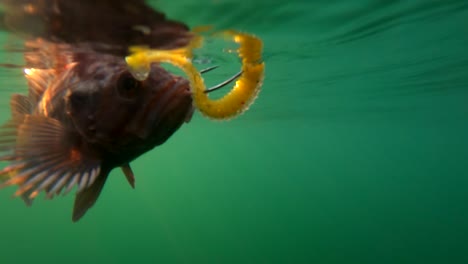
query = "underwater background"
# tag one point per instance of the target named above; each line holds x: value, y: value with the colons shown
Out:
x: 356, y: 150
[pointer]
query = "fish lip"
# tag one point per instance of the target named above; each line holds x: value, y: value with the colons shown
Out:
x: 187, y: 91
x: 189, y: 115
x: 176, y: 100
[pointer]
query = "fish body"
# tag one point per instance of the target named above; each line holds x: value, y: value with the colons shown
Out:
x: 85, y: 113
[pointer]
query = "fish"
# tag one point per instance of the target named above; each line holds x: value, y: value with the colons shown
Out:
x: 84, y: 113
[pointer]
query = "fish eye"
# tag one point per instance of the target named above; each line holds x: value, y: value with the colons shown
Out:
x: 127, y: 86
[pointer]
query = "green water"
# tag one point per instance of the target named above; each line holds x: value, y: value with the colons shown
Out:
x: 355, y: 151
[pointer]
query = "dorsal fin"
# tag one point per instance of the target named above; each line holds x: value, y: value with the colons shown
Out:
x: 20, y: 105
x: 46, y: 55
x: 44, y: 62
x: 38, y: 81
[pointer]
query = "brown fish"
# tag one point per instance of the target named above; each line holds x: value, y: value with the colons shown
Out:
x: 85, y: 114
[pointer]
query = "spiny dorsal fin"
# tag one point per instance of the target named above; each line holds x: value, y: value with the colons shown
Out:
x: 44, y: 62
x: 43, y: 157
x: 20, y: 105
x: 42, y: 54
x: 127, y: 170
x: 38, y: 80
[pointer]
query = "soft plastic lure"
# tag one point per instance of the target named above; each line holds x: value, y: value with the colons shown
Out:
x: 237, y: 100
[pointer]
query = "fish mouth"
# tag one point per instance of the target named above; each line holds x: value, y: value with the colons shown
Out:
x: 167, y: 110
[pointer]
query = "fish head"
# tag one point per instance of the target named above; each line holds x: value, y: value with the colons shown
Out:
x: 121, y: 114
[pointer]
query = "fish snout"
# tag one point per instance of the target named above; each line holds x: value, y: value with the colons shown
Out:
x: 167, y: 109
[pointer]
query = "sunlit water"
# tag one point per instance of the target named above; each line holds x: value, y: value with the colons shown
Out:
x: 355, y: 151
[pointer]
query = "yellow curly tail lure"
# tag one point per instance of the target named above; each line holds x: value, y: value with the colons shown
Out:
x: 235, y: 102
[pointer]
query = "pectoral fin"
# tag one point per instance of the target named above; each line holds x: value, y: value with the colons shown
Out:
x: 43, y: 157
